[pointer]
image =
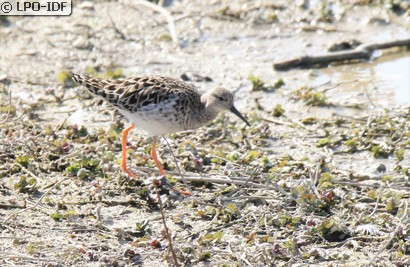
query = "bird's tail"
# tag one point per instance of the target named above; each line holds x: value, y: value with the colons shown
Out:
x: 93, y: 85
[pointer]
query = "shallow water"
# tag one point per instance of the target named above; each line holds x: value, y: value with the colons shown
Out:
x: 394, y: 74
x: 385, y: 80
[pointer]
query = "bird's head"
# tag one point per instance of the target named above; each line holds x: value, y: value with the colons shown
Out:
x: 220, y: 99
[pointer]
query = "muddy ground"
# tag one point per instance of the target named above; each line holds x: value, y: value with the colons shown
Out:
x: 321, y: 178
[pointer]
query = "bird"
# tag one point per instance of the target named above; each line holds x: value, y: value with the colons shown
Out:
x: 159, y: 105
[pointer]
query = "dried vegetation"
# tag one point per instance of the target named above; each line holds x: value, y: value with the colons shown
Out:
x: 283, y: 192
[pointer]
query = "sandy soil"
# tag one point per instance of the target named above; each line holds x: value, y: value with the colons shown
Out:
x: 323, y: 182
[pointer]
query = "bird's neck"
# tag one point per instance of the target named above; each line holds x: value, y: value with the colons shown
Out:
x: 206, y: 113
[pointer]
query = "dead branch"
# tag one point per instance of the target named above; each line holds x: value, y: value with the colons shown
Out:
x: 218, y: 180
x: 363, y: 52
x: 162, y: 11
x: 37, y: 203
x: 5, y: 255
x: 164, y: 222
x: 9, y: 109
x: 400, y: 225
x: 122, y: 35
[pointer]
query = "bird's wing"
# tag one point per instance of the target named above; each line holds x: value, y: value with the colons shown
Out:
x: 138, y: 92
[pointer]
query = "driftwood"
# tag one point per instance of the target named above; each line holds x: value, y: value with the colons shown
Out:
x: 363, y: 52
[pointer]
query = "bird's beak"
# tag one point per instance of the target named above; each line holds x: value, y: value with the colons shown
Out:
x: 237, y: 113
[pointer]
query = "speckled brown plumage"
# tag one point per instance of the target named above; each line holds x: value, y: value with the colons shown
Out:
x: 134, y: 93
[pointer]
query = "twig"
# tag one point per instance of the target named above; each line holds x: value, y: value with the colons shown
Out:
x: 9, y: 206
x: 314, y: 177
x: 27, y: 171
x: 176, y: 164
x: 371, y: 185
x: 229, y: 12
x: 361, y: 52
x: 117, y: 30
x: 394, y: 233
x: 4, y: 255
x: 337, y: 85
x: 377, y: 202
x: 351, y: 118
x: 292, y: 123
x: 165, y: 13
x: 16, y: 80
x: 13, y: 237
x: 216, y: 180
x: 161, y: 208
x: 245, y: 183
x: 62, y: 124
x: 126, y: 203
x: 279, y: 122
x: 38, y: 202
x: 366, y: 93
x: 275, y: 199
x: 9, y: 110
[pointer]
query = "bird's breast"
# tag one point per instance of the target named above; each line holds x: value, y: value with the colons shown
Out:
x: 156, y: 119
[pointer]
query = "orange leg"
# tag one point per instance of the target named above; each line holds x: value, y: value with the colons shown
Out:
x: 154, y: 155
x: 158, y: 164
x: 124, y: 151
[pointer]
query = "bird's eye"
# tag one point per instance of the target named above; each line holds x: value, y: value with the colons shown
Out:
x: 221, y: 98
